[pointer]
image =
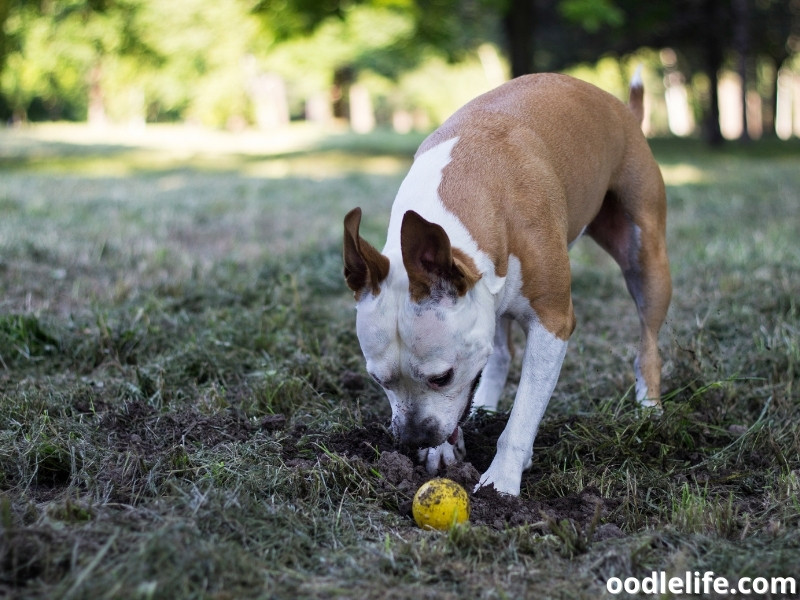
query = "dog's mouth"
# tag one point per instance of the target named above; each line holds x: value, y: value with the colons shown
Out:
x: 453, y: 437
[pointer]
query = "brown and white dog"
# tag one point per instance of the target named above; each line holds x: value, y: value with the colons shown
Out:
x: 478, y: 237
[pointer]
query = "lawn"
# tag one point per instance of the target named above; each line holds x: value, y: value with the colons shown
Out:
x: 184, y: 411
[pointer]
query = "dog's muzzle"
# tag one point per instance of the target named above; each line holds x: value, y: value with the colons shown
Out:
x: 425, y: 434
x: 422, y: 434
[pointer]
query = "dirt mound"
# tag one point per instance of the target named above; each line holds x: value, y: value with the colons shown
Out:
x: 142, y: 429
x: 375, y: 445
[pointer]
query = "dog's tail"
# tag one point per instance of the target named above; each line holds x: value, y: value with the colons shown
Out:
x: 636, y: 95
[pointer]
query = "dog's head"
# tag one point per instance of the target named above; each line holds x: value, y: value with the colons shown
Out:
x: 426, y: 335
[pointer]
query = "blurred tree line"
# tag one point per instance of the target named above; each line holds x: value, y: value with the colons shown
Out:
x: 233, y: 63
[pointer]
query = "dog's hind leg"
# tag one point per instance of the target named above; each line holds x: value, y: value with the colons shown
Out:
x: 631, y: 226
x: 650, y: 284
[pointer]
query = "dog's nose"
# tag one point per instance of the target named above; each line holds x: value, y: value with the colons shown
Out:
x: 421, y: 434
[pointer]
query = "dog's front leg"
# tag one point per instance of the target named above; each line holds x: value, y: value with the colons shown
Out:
x: 541, y: 365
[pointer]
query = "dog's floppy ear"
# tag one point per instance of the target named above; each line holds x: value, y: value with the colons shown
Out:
x: 364, y: 266
x: 430, y: 260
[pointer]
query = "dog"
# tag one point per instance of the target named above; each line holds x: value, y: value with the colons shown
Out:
x: 478, y: 237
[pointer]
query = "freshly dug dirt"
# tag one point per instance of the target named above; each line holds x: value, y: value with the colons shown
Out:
x: 375, y: 445
x: 145, y: 432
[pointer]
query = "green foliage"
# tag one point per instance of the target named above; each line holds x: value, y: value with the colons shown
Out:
x: 22, y: 337
x: 137, y: 61
x: 146, y: 58
x: 200, y: 50
x: 592, y: 14
x: 358, y: 40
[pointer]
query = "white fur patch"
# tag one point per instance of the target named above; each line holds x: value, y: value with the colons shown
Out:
x: 420, y: 192
x: 642, y: 392
x: 636, y: 80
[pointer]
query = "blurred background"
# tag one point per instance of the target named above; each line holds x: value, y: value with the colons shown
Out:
x: 714, y: 69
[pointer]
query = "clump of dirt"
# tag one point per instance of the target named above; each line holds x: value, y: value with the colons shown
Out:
x: 397, y: 469
x: 365, y: 442
x: 400, y: 474
x: 500, y: 510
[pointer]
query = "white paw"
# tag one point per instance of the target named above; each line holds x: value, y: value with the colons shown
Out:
x: 504, y: 480
x: 443, y: 455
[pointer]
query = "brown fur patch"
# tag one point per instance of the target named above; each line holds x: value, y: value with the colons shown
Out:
x: 431, y: 262
x: 364, y: 266
x: 534, y: 161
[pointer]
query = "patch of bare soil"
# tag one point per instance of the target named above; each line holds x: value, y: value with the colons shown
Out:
x: 141, y: 431
x: 375, y: 445
x: 144, y: 443
x: 143, y: 428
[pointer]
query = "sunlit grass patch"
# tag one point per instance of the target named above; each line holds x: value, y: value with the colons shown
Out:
x: 682, y: 174
x: 299, y: 150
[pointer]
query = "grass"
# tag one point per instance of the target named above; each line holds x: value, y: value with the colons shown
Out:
x: 178, y: 367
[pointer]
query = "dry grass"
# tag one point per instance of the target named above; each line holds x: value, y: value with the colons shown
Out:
x: 177, y: 357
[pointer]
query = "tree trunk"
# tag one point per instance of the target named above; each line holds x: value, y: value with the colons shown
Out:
x: 362, y: 116
x: 713, y: 59
x: 343, y: 78
x: 5, y: 10
x: 97, y: 110
x: 269, y: 98
x: 741, y: 36
x: 771, y: 102
x: 518, y: 23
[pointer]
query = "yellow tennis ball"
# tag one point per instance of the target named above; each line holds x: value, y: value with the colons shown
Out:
x: 440, y: 504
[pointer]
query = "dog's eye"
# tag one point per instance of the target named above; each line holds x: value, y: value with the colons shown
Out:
x: 441, y: 380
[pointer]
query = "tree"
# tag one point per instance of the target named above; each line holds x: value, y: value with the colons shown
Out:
x: 554, y: 34
x: 129, y: 58
x: 774, y: 38
x: 56, y: 53
x: 76, y: 57
x: 451, y: 28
